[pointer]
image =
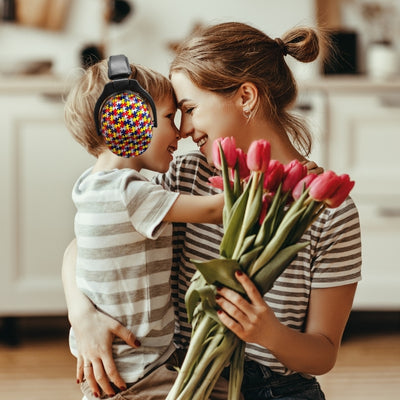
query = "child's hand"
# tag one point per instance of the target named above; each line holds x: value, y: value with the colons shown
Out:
x: 312, y: 167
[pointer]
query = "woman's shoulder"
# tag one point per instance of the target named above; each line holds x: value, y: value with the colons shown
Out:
x: 193, y: 164
x: 190, y: 173
x: 343, y: 219
x: 348, y: 208
x: 193, y: 160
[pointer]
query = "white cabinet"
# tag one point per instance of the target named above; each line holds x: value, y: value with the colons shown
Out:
x: 364, y: 141
x: 39, y: 162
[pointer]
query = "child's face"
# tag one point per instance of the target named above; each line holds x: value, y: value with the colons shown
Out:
x: 165, y: 137
x: 206, y: 116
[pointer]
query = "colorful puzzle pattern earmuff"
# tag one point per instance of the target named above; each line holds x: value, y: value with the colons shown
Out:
x: 122, y: 115
x: 126, y: 124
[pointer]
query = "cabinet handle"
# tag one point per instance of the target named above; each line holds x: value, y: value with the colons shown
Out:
x: 389, y: 212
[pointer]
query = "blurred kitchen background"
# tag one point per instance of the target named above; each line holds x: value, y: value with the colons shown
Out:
x: 352, y: 106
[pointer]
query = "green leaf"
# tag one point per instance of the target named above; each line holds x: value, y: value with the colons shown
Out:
x: 276, y: 242
x: 192, y: 296
x: 246, y: 259
x: 228, y: 193
x: 266, y: 229
x: 266, y: 275
x: 220, y: 272
x: 254, y: 209
x: 312, y: 212
x: 232, y: 230
x: 247, y: 243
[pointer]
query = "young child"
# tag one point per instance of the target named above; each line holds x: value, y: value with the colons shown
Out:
x: 124, y: 246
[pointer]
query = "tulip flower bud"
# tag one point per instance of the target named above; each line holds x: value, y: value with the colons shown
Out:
x: 244, y: 171
x: 217, y: 182
x: 294, y: 172
x: 228, y: 145
x: 259, y: 155
x: 324, y: 185
x: 341, y: 192
x: 302, y: 185
x: 266, y: 201
x: 273, y: 176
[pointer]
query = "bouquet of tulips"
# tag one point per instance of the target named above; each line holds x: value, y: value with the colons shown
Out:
x: 268, y: 207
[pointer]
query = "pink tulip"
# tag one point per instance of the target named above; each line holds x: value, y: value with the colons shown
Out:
x: 324, y: 186
x: 341, y: 192
x: 273, y: 176
x: 217, y: 182
x: 259, y: 155
x: 244, y: 171
x: 294, y: 172
x: 303, y: 184
x: 266, y: 201
x: 228, y: 145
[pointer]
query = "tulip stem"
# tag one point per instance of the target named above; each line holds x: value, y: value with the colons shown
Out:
x: 245, y: 225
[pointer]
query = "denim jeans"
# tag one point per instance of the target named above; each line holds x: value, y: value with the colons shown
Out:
x: 260, y: 383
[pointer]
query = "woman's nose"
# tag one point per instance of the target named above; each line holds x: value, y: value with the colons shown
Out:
x: 186, y: 128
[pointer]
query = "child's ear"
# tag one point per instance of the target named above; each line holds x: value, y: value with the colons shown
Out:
x: 248, y: 95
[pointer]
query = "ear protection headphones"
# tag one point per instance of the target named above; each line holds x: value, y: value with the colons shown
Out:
x: 122, y: 114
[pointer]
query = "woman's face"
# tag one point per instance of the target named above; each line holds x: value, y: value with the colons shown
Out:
x: 206, y: 116
x: 165, y: 137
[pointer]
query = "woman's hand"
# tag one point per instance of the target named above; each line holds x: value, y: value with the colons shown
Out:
x: 249, y: 320
x: 313, y: 351
x: 94, y: 332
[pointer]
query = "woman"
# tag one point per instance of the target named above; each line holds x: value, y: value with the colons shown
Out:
x: 232, y: 80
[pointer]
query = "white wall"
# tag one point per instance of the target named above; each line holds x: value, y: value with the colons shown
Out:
x: 156, y: 23
x: 145, y: 34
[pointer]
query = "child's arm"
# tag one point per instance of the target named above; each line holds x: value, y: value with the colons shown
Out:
x: 196, y: 209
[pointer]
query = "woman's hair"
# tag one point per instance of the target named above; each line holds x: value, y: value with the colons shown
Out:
x: 82, y: 98
x: 221, y: 57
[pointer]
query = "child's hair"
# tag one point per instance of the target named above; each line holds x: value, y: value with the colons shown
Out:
x: 83, y: 96
x: 221, y: 57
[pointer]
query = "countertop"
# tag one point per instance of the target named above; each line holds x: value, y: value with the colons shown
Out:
x: 46, y: 83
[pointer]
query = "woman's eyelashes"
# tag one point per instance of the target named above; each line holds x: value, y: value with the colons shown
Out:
x: 189, y: 110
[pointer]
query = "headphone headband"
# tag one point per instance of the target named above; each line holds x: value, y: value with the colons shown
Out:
x: 119, y: 67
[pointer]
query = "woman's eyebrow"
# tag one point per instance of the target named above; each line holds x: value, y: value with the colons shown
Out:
x: 181, y: 102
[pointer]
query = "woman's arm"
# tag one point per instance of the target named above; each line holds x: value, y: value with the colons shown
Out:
x: 197, y: 209
x: 94, y: 332
x: 313, y: 351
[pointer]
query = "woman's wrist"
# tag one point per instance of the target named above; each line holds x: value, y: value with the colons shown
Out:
x: 80, y: 310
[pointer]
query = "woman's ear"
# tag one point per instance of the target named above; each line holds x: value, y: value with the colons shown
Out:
x: 248, y: 96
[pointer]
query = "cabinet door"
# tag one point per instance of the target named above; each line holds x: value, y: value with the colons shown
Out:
x: 39, y: 162
x: 364, y: 142
x: 311, y: 106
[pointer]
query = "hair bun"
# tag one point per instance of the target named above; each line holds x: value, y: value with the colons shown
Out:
x: 282, y: 46
x: 302, y: 43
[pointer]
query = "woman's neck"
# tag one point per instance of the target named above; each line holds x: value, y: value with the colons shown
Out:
x: 282, y: 148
